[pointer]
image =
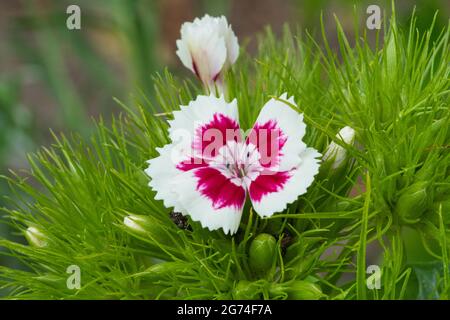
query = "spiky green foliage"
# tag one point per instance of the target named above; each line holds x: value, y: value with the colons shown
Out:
x: 396, y: 97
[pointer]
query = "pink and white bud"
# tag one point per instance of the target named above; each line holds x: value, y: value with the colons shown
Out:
x: 337, y: 153
x: 208, y: 47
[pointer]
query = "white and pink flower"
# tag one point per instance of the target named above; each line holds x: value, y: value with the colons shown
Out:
x: 208, y: 47
x: 210, y: 167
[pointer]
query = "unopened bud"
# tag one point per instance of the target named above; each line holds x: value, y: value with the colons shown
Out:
x: 35, y: 237
x: 304, y: 290
x: 135, y: 222
x: 151, y: 228
x: 412, y: 202
x: 262, y: 253
x: 246, y: 290
x: 297, y: 290
x: 337, y: 153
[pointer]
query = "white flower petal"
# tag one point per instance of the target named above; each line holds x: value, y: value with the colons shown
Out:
x: 232, y: 47
x: 201, y: 208
x: 200, y: 112
x: 162, y: 171
x: 300, y: 179
x: 291, y: 124
x: 185, y: 55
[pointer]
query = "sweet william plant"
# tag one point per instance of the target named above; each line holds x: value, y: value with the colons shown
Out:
x: 200, y: 231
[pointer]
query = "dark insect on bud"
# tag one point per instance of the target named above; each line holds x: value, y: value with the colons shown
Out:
x: 180, y: 220
x: 286, y: 241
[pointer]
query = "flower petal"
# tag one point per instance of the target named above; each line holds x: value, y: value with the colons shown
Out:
x: 278, y: 133
x: 162, y: 171
x: 185, y: 55
x: 209, y: 122
x: 272, y: 193
x: 211, y: 199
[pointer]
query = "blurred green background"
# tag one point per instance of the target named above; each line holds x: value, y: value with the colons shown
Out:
x: 52, y: 77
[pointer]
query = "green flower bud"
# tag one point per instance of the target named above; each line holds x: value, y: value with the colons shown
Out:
x: 262, y: 253
x: 245, y: 290
x: 163, y: 270
x: 35, y: 237
x: 391, y: 54
x: 412, y: 202
x: 304, y: 290
x: 149, y: 227
x: 296, y: 290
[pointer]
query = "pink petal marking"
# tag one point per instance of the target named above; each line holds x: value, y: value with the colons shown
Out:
x: 268, y: 183
x: 220, y: 190
x: 269, y: 140
x: 209, y: 138
x: 192, y: 163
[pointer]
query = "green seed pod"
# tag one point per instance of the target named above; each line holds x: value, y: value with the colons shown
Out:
x: 412, y: 202
x: 262, y: 253
x: 245, y: 290
x: 304, y: 290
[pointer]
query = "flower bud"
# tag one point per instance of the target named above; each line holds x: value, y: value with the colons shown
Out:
x: 296, y: 290
x: 412, y: 202
x: 35, y: 237
x: 304, y: 290
x: 337, y: 153
x: 262, y: 253
x: 208, y: 46
x: 164, y: 270
x: 135, y: 222
x: 391, y: 54
x: 245, y: 290
x: 149, y: 227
